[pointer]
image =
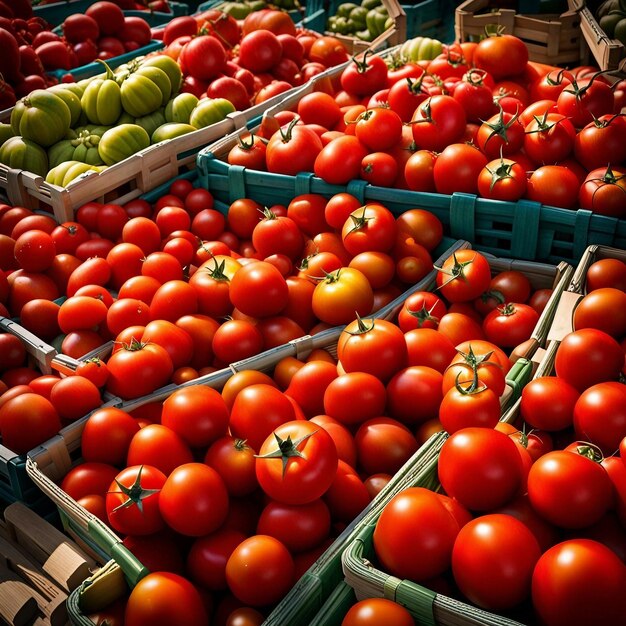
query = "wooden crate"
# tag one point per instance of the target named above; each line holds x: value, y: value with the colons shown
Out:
x: 608, y: 53
x: 551, y: 39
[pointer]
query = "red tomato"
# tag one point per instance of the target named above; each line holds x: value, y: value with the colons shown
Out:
x: 573, y: 578
x: 417, y: 551
x: 464, y: 276
x: 493, y: 561
x: 501, y: 55
x: 602, y: 355
x: 378, y: 611
x: 548, y: 403
x: 297, y: 463
x: 260, y: 570
x: 569, y: 490
x: 132, y: 500
x: 164, y: 598
x: 194, y: 500
x: 438, y: 122
x: 480, y: 467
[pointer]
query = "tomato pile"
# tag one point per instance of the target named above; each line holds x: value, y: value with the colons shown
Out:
x: 479, y: 118
x: 536, y: 514
x: 31, y: 48
x: 247, y: 62
x: 265, y: 473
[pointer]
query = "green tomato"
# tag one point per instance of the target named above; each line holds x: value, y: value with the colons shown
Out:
x: 70, y: 98
x: 152, y: 121
x: 22, y: 154
x: 179, y: 108
x: 6, y: 132
x: 122, y: 142
x: 169, y: 66
x: 171, y: 130
x: 210, y: 111
x: 141, y: 95
x: 102, y: 101
x: 62, y: 175
x: 42, y: 117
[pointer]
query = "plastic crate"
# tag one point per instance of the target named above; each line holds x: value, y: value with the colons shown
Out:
x: 56, y: 12
x: 524, y: 229
x: 551, y: 39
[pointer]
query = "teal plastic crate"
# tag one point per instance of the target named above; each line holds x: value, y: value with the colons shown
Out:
x: 523, y: 230
x: 56, y: 12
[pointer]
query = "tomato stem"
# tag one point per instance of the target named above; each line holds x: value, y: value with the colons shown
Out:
x: 287, y: 449
x: 136, y: 493
x: 362, y: 327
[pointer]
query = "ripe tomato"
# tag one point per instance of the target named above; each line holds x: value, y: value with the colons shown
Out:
x: 414, y: 393
x: 293, y: 150
x: 474, y: 94
x: 297, y: 463
x: 258, y: 289
x: 107, y: 435
x: 366, y: 76
x: 417, y: 551
x: 603, y: 192
x: 257, y: 410
x: 260, y: 570
x: 500, y: 135
x: 464, y: 276
x: 554, y: 185
x: 501, y: 55
x: 606, y: 273
x: 194, y: 500
x: 569, y: 490
x: 26, y: 421
x: 603, y: 309
x: 469, y: 404
x: 132, y: 500
x: 601, y: 142
x: 600, y: 415
x: 510, y: 325
x: 480, y: 467
x: 549, y: 139
x: 369, y: 228
x: 548, y: 403
x: 493, y: 561
x: 339, y: 161
x: 299, y: 527
x: 422, y: 309
x: 379, y: 129
x: 164, y: 598
x: 585, y: 99
x: 160, y: 447
x: 378, y: 611
x: 197, y: 413
x: 438, y: 122
x: 383, y: 445
x: 457, y: 169
x: 87, y: 479
x: 373, y: 346
x: 573, y: 578
x: 602, y: 356
x: 341, y: 294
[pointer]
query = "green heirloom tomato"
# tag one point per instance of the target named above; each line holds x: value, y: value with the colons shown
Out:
x: 371, y: 4
x: 71, y: 99
x: 124, y: 118
x: 82, y: 147
x: 358, y: 15
x: 102, y: 100
x: 376, y: 20
x: 62, y: 175
x: 171, y: 130
x: 179, y: 108
x: 210, y: 111
x: 152, y: 121
x: 6, y: 132
x: 121, y: 142
x: 41, y: 117
x: 23, y: 154
x: 143, y: 91
x: 169, y: 66
x: 343, y: 10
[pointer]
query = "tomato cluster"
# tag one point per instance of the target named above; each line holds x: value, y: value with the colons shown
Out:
x: 534, y: 515
x: 478, y: 119
x: 250, y: 62
x: 263, y: 474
